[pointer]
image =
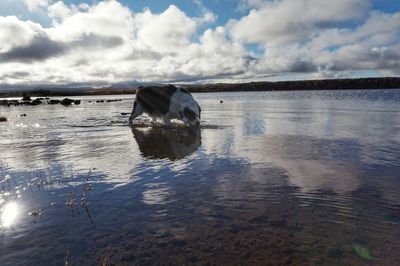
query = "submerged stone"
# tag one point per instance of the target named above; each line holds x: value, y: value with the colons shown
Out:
x: 26, y: 98
x: 362, y: 252
x: 66, y: 102
x: 54, y: 102
x: 36, y: 102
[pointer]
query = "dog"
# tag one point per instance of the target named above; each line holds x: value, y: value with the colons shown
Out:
x: 166, y: 103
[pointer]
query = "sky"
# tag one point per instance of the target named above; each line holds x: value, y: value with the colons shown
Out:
x: 103, y: 42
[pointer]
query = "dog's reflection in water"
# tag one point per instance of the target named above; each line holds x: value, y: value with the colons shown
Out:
x: 167, y: 143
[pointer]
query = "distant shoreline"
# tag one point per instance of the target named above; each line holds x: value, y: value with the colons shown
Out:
x: 302, y: 85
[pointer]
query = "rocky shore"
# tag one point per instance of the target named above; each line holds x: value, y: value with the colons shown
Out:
x: 26, y: 100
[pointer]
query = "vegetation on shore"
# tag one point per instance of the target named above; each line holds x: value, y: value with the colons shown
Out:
x: 329, y: 84
x: 332, y: 84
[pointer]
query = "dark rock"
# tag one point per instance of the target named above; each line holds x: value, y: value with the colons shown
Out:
x: 100, y: 101
x: 125, y: 113
x: 114, y: 100
x: 8, y: 103
x: 22, y: 115
x: 76, y: 102
x: 26, y: 98
x: 221, y: 101
x: 54, y: 102
x: 36, y: 102
x: 3, y: 119
x: 66, y: 102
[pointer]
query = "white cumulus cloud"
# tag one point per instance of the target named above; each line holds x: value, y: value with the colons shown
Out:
x: 33, y: 5
x: 107, y: 42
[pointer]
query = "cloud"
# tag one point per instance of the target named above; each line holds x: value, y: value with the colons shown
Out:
x: 107, y: 42
x: 318, y: 41
x: 59, y: 11
x: 15, y: 32
x: 34, y: 5
x: 167, y: 32
x: 288, y: 21
x: 40, y: 48
x: 245, y: 5
x: 207, y: 16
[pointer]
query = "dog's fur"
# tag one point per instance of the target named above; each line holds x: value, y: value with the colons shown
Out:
x: 166, y: 103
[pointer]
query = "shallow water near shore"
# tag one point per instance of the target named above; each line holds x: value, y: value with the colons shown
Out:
x: 270, y: 178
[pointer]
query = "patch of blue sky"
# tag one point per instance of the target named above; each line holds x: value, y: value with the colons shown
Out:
x: 387, y: 6
x: 366, y: 74
x: 18, y: 8
x: 332, y: 48
x: 224, y: 10
x: 255, y: 50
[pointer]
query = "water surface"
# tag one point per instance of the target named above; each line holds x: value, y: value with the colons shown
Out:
x: 279, y: 178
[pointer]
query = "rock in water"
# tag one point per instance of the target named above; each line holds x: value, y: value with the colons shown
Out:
x: 26, y: 98
x: 36, y: 102
x: 362, y: 252
x: 3, y: 119
x: 54, y: 102
x: 66, y: 102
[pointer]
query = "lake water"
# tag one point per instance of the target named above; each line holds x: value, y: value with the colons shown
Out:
x: 271, y: 178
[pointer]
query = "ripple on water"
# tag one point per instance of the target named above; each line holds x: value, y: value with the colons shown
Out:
x: 289, y: 178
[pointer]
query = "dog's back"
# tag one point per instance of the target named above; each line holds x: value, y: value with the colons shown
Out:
x: 155, y: 100
x: 167, y: 103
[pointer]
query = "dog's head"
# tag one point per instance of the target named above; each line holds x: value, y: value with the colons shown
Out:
x: 190, y: 114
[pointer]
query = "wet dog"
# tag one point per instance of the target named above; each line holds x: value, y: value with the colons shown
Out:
x: 166, y: 103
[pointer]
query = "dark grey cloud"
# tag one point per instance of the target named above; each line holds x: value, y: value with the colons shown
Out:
x: 42, y: 47
x: 375, y: 58
x: 181, y: 77
x: 15, y: 75
x: 39, y: 49
x: 96, y: 41
x: 144, y: 54
x: 303, y: 66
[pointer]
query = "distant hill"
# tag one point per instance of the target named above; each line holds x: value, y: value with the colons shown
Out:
x: 130, y: 88
x: 330, y: 84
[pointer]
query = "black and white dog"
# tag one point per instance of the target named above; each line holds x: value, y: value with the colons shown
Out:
x: 166, y: 103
